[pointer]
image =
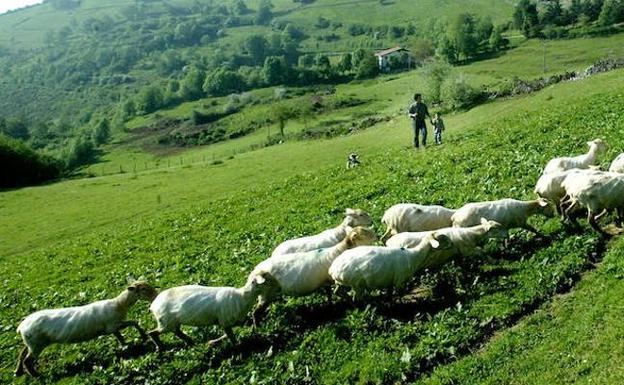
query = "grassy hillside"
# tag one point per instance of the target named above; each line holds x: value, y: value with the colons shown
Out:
x: 190, y: 230
x: 385, y: 96
x: 29, y: 27
x: 575, y: 339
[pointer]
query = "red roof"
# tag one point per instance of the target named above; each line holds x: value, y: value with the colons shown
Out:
x: 389, y: 51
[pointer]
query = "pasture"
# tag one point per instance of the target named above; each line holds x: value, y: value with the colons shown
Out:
x: 210, y: 224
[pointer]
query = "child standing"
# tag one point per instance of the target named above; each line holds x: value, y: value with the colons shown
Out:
x: 438, y: 127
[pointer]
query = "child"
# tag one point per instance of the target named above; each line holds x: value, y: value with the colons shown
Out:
x: 438, y: 127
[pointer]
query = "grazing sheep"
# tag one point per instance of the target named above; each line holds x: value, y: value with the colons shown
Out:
x: 77, y: 324
x: 327, y: 238
x: 197, y: 305
x: 618, y: 164
x: 464, y: 240
x: 596, y: 146
x: 550, y: 186
x: 412, y: 217
x: 376, y: 267
x: 510, y: 213
x: 302, y: 273
x: 599, y: 193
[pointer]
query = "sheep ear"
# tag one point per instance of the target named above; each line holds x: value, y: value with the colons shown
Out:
x: 130, y: 279
x: 349, y: 212
x: 543, y: 202
x: 434, y: 242
x: 260, y: 279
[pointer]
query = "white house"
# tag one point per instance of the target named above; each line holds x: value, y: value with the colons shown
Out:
x: 384, y: 57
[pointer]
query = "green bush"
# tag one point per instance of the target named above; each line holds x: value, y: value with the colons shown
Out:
x: 22, y: 166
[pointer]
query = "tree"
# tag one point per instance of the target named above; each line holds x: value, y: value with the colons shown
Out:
x: 264, y: 15
x: 435, y: 73
x: 256, y: 46
x: 496, y: 40
x: 447, y: 50
x: 239, y: 7
x: 223, y: 81
x: 553, y: 13
x: 575, y: 10
x: 150, y: 99
x: 462, y: 32
x: 101, y: 133
x: 592, y: 8
x: 346, y: 63
x: 367, y: 67
x: 191, y: 87
x: 282, y: 113
x: 612, y: 12
x: 274, y: 69
x: 525, y: 18
x: 484, y: 29
x: 16, y: 128
x: 421, y: 49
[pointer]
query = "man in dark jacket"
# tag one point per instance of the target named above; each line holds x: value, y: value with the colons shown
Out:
x: 418, y: 112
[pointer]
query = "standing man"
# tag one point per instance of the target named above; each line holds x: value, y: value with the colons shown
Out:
x: 418, y: 112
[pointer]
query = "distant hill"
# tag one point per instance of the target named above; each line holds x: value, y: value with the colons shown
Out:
x: 71, y: 57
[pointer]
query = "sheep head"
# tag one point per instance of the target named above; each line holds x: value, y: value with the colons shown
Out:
x: 542, y: 207
x: 357, y: 217
x: 142, y: 290
x: 599, y: 144
x: 361, y: 236
x: 494, y: 229
x: 263, y: 282
x: 440, y: 241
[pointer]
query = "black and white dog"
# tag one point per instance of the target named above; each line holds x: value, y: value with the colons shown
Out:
x: 353, y: 160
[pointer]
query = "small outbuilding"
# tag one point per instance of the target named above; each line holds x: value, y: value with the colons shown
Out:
x: 389, y: 58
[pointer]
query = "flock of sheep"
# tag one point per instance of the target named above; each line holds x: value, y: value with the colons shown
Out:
x: 417, y: 237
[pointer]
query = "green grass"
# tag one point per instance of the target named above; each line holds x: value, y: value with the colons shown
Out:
x: 212, y: 224
x: 575, y: 339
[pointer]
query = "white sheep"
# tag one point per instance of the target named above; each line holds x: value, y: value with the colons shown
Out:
x: 618, y: 164
x: 510, y: 213
x: 196, y: 305
x: 327, y: 238
x: 375, y: 267
x: 464, y: 240
x: 596, y: 146
x: 413, y: 217
x: 550, y: 186
x: 303, y: 273
x: 599, y: 193
x: 77, y: 324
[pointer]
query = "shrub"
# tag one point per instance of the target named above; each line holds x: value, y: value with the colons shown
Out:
x: 23, y: 166
x: 456, y: 93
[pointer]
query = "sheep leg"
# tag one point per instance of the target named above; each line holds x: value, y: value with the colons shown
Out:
x: 120, y: 338
x: 594, y: 224
x: 20, y: 362
x: 154, y: 335
x: 566, y: 214
x: 386, y: 235
x: 260, y: 310
x: 134, y: 324
x: 602, y: 214
x: 184, y: 337
x: 228, y: 334
x: 29, y: 364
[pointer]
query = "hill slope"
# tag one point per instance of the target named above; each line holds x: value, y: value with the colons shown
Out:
x: 238, y: 212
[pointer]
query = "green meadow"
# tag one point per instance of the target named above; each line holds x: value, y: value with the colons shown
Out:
x: 210, y: 224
